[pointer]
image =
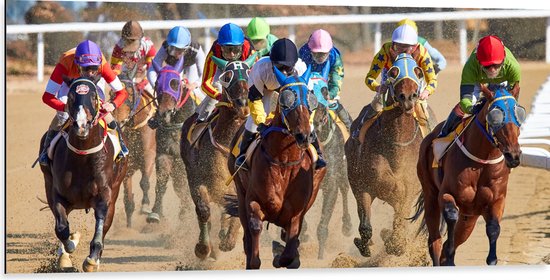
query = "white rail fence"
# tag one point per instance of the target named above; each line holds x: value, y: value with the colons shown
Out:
x: 291, y: 22
x: 535, y: 132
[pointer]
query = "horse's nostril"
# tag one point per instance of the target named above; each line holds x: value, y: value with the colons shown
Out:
x: 300, y: 137
x: 402, y: 96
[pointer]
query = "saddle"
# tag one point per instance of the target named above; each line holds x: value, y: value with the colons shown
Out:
x: 440, y: 146
x: 198, y: 129
x: 340, y: 124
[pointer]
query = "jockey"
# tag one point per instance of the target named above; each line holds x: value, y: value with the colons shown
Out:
x: 491, y: 62
x: 231, y: 45
x: 404, y: 40
x: 132, y: 55
x: 87, y: 61
x: 259, y: 33
x: 438, y: 59
x: 263, y: 84
x: 177, y: 44
x: 318, y: 51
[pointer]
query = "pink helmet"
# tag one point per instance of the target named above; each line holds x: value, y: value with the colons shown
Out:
x: 320, y: 41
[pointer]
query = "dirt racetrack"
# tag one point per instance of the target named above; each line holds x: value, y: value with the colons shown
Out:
x: 31, y: 241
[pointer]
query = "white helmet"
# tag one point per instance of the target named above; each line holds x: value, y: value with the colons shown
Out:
x: 405, y: 34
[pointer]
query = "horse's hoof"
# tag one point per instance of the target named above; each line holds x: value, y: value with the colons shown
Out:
x: 385, y: 234
x: 64, y: 262
x: 90, y: 265
x: 202, y: 251
x: 392, y: 248
x: 277, y: 248
x: 72, y: 243
x: 276, y: 260
x: 226, y: 245
x: 491, y: 262
x: 363, y: 248
x: 153, y: 218
x: 145, y: 210
x: 295, y: 263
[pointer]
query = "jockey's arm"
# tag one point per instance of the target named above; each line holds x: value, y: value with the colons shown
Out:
x: 376, y: 67
x: 120, y: 92
x: 210, y: 69
x: 336, y: 76
x: 426, y: 63
x: 116, y: 60
x: 437, y: 57
x: 150, y: 55
x: 200, y: 60
x: 256, y: 105
x: 54, y: 84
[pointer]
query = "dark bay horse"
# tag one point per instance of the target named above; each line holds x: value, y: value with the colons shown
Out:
x: 472, y: 177
x: 206, y: 157
x: 383, y: 166
x: 281, y: 184
x: 332, y: 138
x: 133, y: 115
x: 174, y: 107
x: 83, y: 173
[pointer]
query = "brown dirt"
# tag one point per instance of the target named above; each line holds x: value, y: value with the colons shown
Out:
x: 31, y: 241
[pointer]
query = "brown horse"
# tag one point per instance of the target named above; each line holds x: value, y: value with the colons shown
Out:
x: 174, y: 107
x: 472, y: 177
x: 282, y: 184
x: 83, y: 173
x: 206, y: 157
x: 332, y: 138
x: 133, y: 115
x: 383, y: 165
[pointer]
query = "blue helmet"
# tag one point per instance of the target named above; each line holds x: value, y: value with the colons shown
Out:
x: 179, y: 37
x: 87, y: 54
x: 230, y: 34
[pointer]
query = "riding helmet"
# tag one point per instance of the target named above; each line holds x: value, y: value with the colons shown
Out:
x: 230, y: 35
x: 284, y: 52
x: 257, y: 29
x: 405, y: 34
x: 320, y: 41
x: 179, y: 37
x: 490, y: 50
x: 87, y: 54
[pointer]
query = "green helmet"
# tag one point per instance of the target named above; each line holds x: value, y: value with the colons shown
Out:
x: 257, y: 29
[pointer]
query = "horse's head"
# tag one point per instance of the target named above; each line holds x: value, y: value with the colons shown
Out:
x: 295, y: 104
x: 318, y: 84
x: 83, y: 105
x: 234, y: 81
x: 503, y: 118
x: 169, y: 88
x: 405, y: 81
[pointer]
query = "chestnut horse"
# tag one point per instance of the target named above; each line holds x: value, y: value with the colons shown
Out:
x: 384, y: 164
x: 133, y: 115
x: 332, y: 139
x: 281, y: 184
x: 472, y: 177
x: 83, y: 173
x: 206, y: 158
x: 174, y: 107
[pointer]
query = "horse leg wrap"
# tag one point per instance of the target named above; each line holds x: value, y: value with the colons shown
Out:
x: 144, y: 184
x: 492, y: 229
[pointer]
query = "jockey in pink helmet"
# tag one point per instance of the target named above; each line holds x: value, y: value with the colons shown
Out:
x: 319, y: 51
x: 86, y: 60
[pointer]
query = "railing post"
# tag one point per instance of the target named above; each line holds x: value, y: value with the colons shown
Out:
x: 292, y: 33
x: 40, y: 57
x: 463, y: 41
x: 548, y: 40
x: 207, y: 40
x: 377, y: 37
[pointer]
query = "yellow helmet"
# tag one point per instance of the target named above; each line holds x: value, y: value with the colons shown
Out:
x: 408, y: 22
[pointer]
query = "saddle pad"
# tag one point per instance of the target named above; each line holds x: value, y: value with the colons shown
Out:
x: 366, y: 126
x: 113, y: 135
x: 198, y: 129
x: 52, y: 145
x: 340, y: 124
x: 440, y: 146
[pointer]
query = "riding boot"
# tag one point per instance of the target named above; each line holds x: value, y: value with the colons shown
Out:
x: 248, y: 137
x: 369, y: 113
x: 43, y: 158
x: 123, y: 149
x: 321, y: 160
x: 344, y: 116
x: 452, y: 121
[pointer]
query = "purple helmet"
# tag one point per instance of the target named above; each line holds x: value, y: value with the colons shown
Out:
x: 87, y: 54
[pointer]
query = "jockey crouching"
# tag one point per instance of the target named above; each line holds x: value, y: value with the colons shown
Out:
x: 404, y: 40
x: 86, y: 61
x: 231, y: 45
x: 263, y: 84
x: 319, y: 51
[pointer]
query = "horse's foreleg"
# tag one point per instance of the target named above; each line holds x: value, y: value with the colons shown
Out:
x: 330, y: 193
x: 492, y: 229
x: 149, y: 145
x: 202, y: 209
x: 346, y: 218
x: 91, y: 264
x: 129, y: 204
x: 69, y: 242
x: 432, y: 217
x: 254, y: 227
x: 181, y: 189
x: 290, y: 257
x: 450, y: 214
x: 163, y: 167
x: 364, y: 202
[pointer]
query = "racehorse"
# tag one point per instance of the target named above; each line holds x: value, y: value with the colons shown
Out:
x: 332, y: 138
x: 472, y: 177
x: 205, y: 156
x: 383, y: 165
x: 83, y: 173
x: 282, y: 184
x: 133, y: 115
x: 173, y: 110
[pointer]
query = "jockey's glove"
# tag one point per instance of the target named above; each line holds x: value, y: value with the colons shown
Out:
x: 466, y: 104
x: 261, y: 128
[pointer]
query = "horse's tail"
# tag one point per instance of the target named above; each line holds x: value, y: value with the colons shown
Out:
x: 231, y: 205
x: 419, y: 211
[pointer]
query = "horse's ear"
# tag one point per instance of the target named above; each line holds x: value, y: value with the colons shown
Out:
x: 487, y: 92
x: 419, y: 73
x: 156, y: 66
x: 307, y: 74
x: 280, y: 76
x: 251, y: 59
x: 393, y: 72
x: 221, y: 63
x: 179, y: 65
x: 515, y: 91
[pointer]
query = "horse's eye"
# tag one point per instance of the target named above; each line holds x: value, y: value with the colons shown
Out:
x: 312, y: 101
x: 287, y: 99
x: 495, y: 117
x: 521, y: 114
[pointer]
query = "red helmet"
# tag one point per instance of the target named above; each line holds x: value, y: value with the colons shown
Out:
x: 490, y: 50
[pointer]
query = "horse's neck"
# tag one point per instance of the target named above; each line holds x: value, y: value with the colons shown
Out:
x: 476, y: 142
x: 226, y: 126
x: 397, y: 124
x: 279, y: 145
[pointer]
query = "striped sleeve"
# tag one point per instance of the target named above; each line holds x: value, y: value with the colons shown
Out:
x: 208, y: 76
x: 116, y: 60
x: 376, y: 67
x: 427, y: 66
